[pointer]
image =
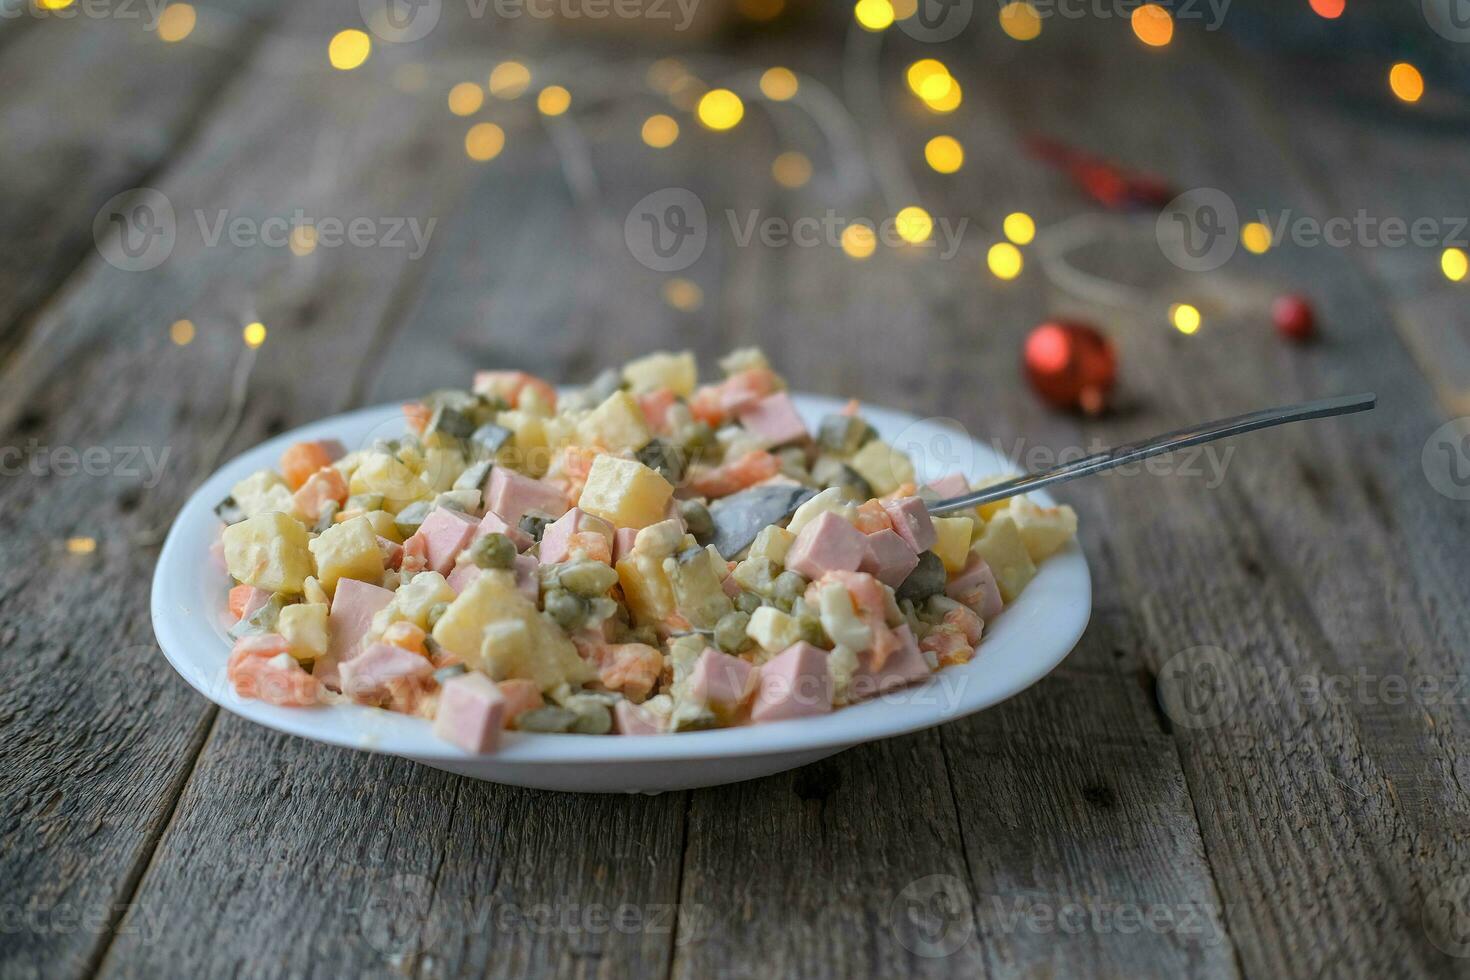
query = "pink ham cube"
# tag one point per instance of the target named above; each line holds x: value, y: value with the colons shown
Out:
x: 511, y: 495
x: 911, y: 520
x: 793, y: 684
x: 471, y: 713
x: 629, y: 719
x: 491, y: 523
x: 890, y: 559
x: 392, y: 552
x: 975, y: 587
x: 520, y: 696
x: 720, y: 681
x: 827, y: 544
x: 464, y: 573
x: 354, y: 605
x: 623, y: 539
x: 903, y: 665
x: 527, y: 581
x: 951, y: 485
x: 556, y: 539
x: 442, y: 536
x: 383, y: 670
x: 774, y: 419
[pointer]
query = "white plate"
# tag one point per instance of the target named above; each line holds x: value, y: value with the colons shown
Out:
x: 1020, y: 647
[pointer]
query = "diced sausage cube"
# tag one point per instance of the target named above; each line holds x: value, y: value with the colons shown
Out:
x: 383, y: 671
x: 976, y: 588
x: 630, y: 719
x: 511, y: 495
x: 774, y: 419
x: 910, y: 519
x: 827, y: 544
x: 354, y: 605
x: 471, y: 713
x: 556, y: 539
x: 890, y: 559
x: 903, y: 664
x: 445, y: 533
x: 950, y: 485
x: 793, y: 684
x: 720, y: 681
x: 492, y: 523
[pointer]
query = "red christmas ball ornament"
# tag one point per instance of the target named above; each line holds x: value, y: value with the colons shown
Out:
x: 1293, y: 317
x: 1070, y: 365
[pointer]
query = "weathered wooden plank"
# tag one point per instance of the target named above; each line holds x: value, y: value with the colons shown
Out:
x: 100, y: 734
x: 65, y: 155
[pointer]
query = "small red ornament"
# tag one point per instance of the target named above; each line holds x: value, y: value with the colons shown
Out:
x: 1071, y: 365
x: 1293, y: 317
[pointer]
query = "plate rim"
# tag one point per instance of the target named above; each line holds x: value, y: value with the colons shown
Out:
x: 180, y: 628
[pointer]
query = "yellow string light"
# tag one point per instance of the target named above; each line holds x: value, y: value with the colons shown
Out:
x: 914, y: 224
x: 81, y: 545
x: 660, y: 131
x: 779, y: 84
x: 791, y: 169
x: 1020, y: 21
x: 484, y: 141
x: 254, y: 334
x: 1256, y: 237
x: 1406, y: 82
x: 1454, y: 264
x: 873, y: 15
x: 1004, y: 260
x: 553, y: 100
x: 55, y: 4
x: 858, y: 241
x: 509, y: 79
x: 181, y: 332
x: 466, y: 98
x: 1153, y: 25
x: 1019, y: 227
x: 1185, y: 318
x: 176, y: 22
x: 720, y: 109
x: 944, y: 154
x: 349, y: 49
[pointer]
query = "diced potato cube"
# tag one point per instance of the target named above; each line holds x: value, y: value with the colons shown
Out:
x: 385, y: 474
x: 884, y: 467
x: 646, y: 588
x: 383, y: 525
x: 744, y: 359
x: 617, y: 425
x: 1046, y: 530
x: 625, y: 492
x: 772, y: 542
x: 772, y: 629
x: 262, y: 492
x: 413, y: 600
x: 952, y: 543
x: 304, y: 627
x: 492, y: 627
x: 660, y: 540
x: 268, y: 551
x: 313, y: 590
x: 661, y: 369
x: 987, y: 511
x: 527, y: 451
x: 441, y: 468
x: 1005, y: 552
x: 347, y: 550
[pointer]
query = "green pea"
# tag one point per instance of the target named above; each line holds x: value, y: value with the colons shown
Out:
x: 787, y: 588
x: 697, y: 519
x: 810, y: 629
x: 546, y: 719
x: 592, y: 719
x: 748, y: 602
x: 588, y: 579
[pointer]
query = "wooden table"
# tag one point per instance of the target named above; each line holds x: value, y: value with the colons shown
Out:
x: 1313, y: 823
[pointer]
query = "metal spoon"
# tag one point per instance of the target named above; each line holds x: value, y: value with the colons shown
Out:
x: 1166, y: 443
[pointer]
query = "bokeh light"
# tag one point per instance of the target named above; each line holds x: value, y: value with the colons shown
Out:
x: 949, y: 101
x: 1328, y: 9
x: 1185, y: 318
x: 553, y: 100
x: 1004, y: 260
x: 348, y: 49
x: 176, y: 22
x: 873, y: 15
x: 944, y: 154
x: 1020, y: 21
x: 466, y: 98
x: 1019, y: 227
x: 1406, y: 82
x: 1256, y: 237
x: 858, y: 241
x: 1153, y: 25
x: 484, y: 141
x: 720, y: 109
x: 509, y: 79
x: 791, y: 169
x: 779, y: 84
x: 914, y: 224
x: 660, y: 131
x: 683, y: 295
x: 181, y: 332
x: 302, y: 241
x: 1455, y: 264
x: 254, y: 334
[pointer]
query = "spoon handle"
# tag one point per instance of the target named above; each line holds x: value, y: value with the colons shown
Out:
x: 1168, y: 442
